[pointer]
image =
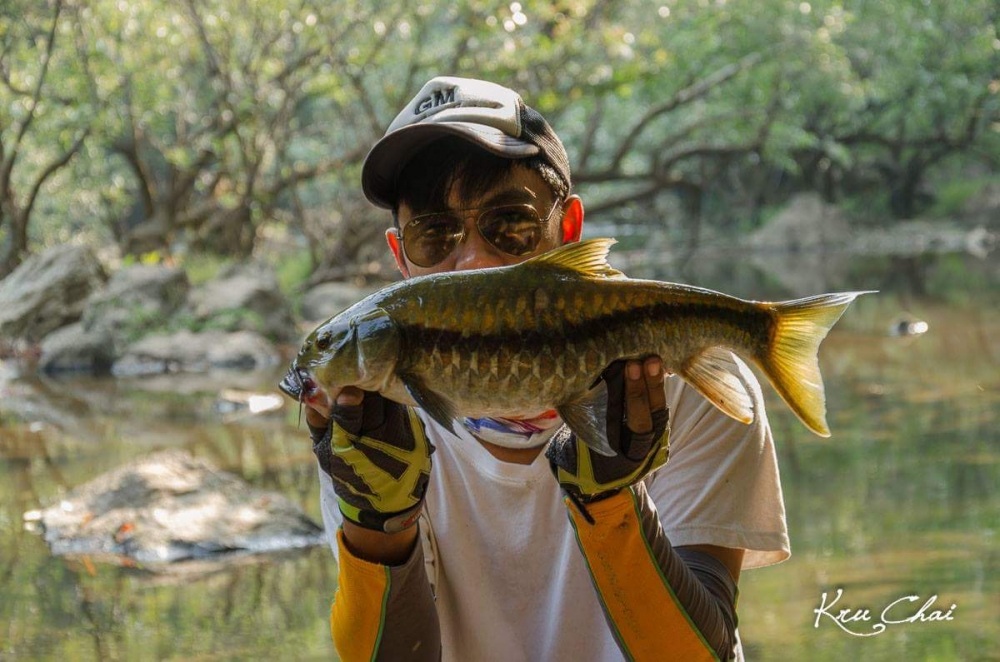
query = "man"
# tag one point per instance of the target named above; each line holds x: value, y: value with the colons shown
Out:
x: 514, y: 541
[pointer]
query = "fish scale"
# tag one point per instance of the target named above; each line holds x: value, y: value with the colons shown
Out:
x: 520, y: 340
x: 631, y: 317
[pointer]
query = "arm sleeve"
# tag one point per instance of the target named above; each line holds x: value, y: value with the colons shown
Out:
x: 384, y: 612
x: 653, y: 598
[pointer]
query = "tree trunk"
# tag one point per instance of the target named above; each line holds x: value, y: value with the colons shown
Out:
x: 905, y: 198
x: 15, y: 244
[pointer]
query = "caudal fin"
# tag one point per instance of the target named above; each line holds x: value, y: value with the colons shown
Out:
x: 791, y: 363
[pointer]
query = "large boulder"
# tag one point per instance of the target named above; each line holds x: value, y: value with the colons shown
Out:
x: 186, y: 351
x: 136, y: 299
x: 806, y: 223
x: 74, y: 349
x: 48, y: 291
x: 327, y: 299
x: 244, y: 297
x: 169, y: 507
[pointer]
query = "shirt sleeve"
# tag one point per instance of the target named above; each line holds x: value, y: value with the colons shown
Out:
x: 332, y: 517
x: 384, y: 613
x: 721, y: 485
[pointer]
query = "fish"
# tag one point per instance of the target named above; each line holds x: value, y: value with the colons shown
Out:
x: 520, y: 340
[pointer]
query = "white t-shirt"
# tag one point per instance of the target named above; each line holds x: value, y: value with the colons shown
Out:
x: 510, y: 581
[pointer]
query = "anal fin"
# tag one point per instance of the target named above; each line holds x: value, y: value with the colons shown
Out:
x: 711, y: 374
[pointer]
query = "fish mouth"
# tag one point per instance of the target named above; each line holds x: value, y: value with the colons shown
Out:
x: 298, y: 384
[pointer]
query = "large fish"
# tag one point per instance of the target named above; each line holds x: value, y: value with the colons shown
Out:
x: 520, y: 340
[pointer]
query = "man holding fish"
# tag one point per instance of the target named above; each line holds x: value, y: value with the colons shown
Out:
x: 518, y: 504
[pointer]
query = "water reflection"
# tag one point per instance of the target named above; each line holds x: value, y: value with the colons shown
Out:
x: 900, y: 501
x: 56, y: 434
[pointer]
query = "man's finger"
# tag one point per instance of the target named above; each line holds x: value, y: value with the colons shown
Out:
x: 637, y: 409
x: 653, y: 369
x: 316, y: 419
x: 350, y: 396
x: 348, y: 411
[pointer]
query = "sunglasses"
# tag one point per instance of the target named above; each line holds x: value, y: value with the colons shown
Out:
x: 511, y: 229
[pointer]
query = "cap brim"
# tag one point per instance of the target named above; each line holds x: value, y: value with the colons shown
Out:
x: 390, y: 155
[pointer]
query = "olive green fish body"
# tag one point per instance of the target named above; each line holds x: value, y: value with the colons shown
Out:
x: 523, y: 336
x: 520, y: 340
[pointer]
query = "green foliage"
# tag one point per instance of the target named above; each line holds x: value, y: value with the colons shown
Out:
x: 208, y: 122
x: 140, y: 321
x: 202, y: 267
x: 952, y: 196
x: 230, y: 319
x: 47, y: 110
x: 292, y: 270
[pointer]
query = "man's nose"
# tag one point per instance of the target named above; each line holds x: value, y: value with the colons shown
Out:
x: 476, y: 253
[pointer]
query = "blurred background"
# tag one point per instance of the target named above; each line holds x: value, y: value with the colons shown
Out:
x: 180, y: 203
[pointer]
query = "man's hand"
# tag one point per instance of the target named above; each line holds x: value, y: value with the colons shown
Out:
x: 637, y: 431
x: 378, y: 455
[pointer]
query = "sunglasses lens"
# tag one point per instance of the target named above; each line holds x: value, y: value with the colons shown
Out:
x: 515, y: 230
x: 430, y: 239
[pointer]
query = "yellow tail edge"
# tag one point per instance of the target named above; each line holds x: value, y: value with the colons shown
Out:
x: 792, y: 362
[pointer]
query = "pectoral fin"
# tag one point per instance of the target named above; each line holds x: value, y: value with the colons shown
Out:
x: 587, y: 417
x: 711, y: 374
x: 435, y: 404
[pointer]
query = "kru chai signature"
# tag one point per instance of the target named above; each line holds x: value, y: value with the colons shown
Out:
x: 865, y: 622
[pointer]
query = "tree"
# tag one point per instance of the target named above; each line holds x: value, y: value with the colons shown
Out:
x: 902, y: 87
x: 212, y: 122
x: 205, y: 123
x: 45, y: 113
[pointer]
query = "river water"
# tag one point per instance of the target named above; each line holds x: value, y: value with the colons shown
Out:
x: 897, y: 513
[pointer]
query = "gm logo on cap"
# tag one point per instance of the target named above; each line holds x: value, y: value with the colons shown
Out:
x: 439, y: 98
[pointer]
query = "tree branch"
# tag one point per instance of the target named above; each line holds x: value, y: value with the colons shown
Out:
x: 51, y: 169
x: 638, y: 195
x: 686, y: 95
x: 593, y: 125
x: 300, y: 175
x: 7, y: 167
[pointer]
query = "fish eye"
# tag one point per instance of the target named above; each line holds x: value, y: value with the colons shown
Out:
x: 323, y: 342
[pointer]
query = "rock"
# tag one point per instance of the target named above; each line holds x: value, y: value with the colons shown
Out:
x: 327, y: 299
x: 185, y: 351
x: 170, y: 506
x: 136, y: 299
x: 48, y: 291
x: 244, y: 297
x: 75, y: 349
x: 806, y: 223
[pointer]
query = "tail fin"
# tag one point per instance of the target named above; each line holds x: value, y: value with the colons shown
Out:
x: 791, y: 362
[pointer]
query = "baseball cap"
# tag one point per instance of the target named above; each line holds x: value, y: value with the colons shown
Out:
x: 484, y: 113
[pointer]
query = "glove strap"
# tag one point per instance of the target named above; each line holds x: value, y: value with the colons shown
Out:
x: 384, y: 523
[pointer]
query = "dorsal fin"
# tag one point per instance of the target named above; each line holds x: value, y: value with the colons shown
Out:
x: 588, y: 258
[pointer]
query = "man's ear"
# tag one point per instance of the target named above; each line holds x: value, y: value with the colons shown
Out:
x: 392, y: 238
x: 572, y: 219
